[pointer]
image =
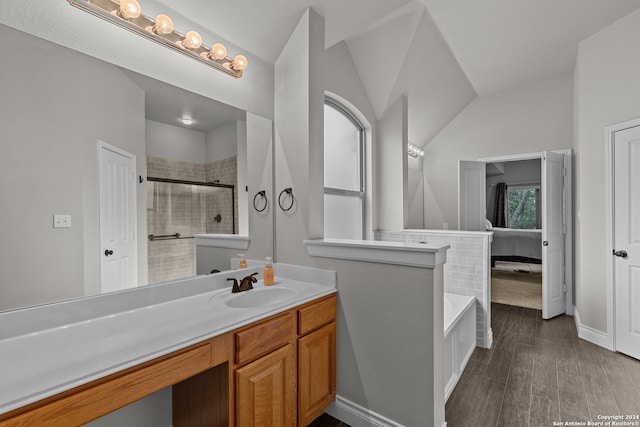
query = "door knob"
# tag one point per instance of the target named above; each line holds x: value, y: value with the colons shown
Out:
x: 621, y: 254
x: 108, y: 252
x: 545, y: 243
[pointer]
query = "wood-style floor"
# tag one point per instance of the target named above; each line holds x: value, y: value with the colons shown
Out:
x: 539, y: 371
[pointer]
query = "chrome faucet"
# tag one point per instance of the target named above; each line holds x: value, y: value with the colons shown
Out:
x: 246, y: 283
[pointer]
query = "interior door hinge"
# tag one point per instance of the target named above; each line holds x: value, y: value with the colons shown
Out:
x: 564, y: 228
x: 564, y: 288
x: 564, y: 171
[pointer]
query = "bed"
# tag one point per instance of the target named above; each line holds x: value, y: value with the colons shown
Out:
x: 516, y: 245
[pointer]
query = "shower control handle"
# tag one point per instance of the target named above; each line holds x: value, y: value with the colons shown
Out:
x: 108, y: 252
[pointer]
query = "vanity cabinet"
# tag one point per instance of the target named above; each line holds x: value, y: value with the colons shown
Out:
x: 279, y: 371
x: 265, y: 376
x: 316, y: 359
x: 281, y: 385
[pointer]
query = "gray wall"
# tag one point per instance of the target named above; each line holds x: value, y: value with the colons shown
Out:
x: 55, y: 105
x: 535, y: 117
x: 607, y: 91
x: 175, y: 142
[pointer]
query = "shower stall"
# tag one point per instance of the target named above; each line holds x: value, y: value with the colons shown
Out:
x: 176, y: 210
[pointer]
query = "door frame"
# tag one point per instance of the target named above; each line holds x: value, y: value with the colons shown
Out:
x: 568, y: 213
x: 609, y: 224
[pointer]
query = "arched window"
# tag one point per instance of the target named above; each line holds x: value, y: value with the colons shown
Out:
x: 344, y: 174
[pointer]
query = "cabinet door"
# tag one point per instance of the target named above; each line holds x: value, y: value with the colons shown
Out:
x: 266, y: 390
x: 317, y: 373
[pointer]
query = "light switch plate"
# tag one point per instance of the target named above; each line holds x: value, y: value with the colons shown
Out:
x: 62, y: 221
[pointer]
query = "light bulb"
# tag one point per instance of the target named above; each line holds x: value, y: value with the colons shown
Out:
x: 192, y: 40
x: 163, y: 25
x: 239, y: 63
x: 129, y: 9
x: 218, y: 51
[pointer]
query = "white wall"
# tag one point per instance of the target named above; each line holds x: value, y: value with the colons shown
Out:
x: 51, y: 119
x: 415, y: 193
x: 174, y: 142
x: 343, y: 83
x: 222, y: 142
x: 260, y: 177
x: 299, y: 133
x: 532, y: 118
x: 391, y: 171
x: 63, y: 24
x: 607, y: 92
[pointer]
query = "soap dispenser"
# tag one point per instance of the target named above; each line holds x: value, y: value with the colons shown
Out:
x: 267, y: 273
x: 243, y: 261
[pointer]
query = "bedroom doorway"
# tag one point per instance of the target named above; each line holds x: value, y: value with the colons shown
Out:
x: 531, y: 220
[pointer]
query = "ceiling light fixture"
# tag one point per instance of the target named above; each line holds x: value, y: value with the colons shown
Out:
x: 414, y: 151
x: 186, y: 121
x: 127, y: 14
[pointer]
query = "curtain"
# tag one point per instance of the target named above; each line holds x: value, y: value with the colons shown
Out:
x: 499, y: 217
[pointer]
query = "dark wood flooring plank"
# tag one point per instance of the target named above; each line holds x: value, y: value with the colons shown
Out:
x: 574, y: 405
x: 523, y: 357
x: 568, y: 369
x: 500, y: 363
x: 599, y: 395
x: 487, y: 402
x: 544, y: 411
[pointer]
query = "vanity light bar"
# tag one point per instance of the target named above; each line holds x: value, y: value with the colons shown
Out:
x: 126, y: 14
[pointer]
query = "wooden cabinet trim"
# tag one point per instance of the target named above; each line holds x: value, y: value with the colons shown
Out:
x: 86, y: 403
x: 262, y: 338
x: 315, y: 315
x: 266, y: 390
x: 316, y: 373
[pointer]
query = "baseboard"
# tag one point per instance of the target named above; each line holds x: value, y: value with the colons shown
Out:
x: 590, y: 334
x: 358, y: 416
x: 489, y: 338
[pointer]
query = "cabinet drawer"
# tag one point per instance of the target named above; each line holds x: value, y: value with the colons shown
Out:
x: 263, y: 338
x: 314, y: 316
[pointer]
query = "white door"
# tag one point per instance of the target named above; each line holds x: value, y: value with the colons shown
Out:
x: 118, y: 247
x: 626, y: 240
x: 553, y: 286
x: 472, y: 195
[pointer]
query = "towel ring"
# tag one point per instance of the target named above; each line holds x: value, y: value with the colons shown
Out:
x: 263, y: 195
x: 288, y: 191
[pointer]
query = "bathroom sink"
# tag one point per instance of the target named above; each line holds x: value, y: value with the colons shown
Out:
x: 260, y: 297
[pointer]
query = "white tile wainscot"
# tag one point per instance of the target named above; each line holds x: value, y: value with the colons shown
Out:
x: 390, y: 330
x: 467, y: 271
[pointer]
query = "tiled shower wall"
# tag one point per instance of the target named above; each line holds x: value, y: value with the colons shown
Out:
x: 466, y: 272
x: 174, y: 208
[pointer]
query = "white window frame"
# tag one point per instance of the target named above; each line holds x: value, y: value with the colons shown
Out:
x: 339, y: 107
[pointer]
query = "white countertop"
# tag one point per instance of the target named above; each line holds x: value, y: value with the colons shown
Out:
x: 378, y: 251
x: 42, y: 363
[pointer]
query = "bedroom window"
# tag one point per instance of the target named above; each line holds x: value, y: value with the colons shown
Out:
x: 344, y: 192
x: 523, y: 207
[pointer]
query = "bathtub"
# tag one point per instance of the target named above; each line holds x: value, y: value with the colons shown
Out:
x: 459, y: 337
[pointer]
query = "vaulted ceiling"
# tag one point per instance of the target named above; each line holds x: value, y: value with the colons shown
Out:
x: 441, y: 53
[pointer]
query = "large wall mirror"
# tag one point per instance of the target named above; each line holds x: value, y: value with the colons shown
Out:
x: 69, y: 124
